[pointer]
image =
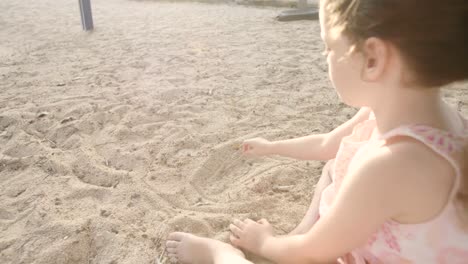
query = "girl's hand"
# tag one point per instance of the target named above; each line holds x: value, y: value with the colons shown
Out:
x: 257, y: 147
x: 250, y: 235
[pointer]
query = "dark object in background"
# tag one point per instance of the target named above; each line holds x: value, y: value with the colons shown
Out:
x: 309, y: 13
x: 86, y: 15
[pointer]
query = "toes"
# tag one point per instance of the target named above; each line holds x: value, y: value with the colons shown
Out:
x: 176, y: 236
x: 172, y: 244
x: 171, y: 250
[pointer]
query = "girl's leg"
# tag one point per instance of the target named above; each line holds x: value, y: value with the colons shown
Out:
x: 190, y: 249
x: 312, y: 214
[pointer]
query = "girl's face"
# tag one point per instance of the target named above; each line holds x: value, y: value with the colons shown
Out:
x: 343, y: 65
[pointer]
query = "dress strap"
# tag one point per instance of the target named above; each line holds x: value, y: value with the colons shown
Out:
x: 465, y: 123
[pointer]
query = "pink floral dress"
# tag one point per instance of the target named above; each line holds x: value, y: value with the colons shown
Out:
x: 440, y: 240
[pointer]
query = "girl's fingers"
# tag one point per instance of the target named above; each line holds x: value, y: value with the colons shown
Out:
x: 248, y: 221
x: 236, y: 231
x: 246, y: 147
x: 234, y: 240
x: 238, y: 223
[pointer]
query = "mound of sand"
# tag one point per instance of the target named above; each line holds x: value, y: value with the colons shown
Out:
x: 112, y: 139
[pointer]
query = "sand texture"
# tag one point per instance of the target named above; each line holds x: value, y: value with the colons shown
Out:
x: 112, y: 139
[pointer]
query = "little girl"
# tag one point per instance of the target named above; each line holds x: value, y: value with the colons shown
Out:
x: 396, y: 187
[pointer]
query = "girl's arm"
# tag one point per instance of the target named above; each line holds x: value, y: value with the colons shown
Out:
x: 376, y: 189
x: 361, y: 207
x: 321, y: 146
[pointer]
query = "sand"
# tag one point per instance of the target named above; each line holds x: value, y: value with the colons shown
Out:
x: 112, y: 139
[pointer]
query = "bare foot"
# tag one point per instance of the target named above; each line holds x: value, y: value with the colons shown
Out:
x: 189, y: 249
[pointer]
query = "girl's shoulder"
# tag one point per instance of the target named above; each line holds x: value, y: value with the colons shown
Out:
x: 424, y: 163
x: 414, y: 182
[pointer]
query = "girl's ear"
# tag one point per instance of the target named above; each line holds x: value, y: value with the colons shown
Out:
x: 376, y: 55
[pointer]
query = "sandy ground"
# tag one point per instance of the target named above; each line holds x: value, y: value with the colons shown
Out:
x: 112, y: 139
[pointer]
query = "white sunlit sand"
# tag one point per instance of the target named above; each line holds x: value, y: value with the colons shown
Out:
x: 112, y: 139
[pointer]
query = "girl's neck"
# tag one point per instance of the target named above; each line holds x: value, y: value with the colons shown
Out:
x: 410, y: 106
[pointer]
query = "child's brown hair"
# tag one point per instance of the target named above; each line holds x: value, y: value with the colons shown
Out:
x: 432, y: 35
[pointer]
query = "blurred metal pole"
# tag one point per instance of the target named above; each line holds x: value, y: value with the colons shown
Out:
x: 86, y: 15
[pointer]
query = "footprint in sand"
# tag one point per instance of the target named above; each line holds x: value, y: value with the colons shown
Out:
x: 189, y: 224
x: 224, y: 167
x: 6, y: 121
x: 65, y: 137
x: 95, y: 173
x: 91, y: 242
x: 13, y: 163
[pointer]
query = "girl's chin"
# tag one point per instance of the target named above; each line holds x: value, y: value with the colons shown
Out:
x: 347, y: 101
